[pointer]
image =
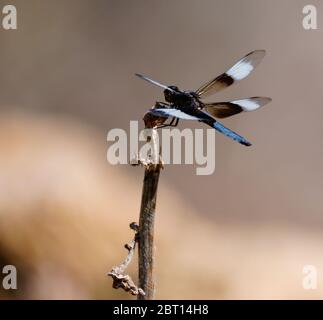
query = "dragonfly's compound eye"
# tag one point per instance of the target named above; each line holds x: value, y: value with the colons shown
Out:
x: 168, y: 95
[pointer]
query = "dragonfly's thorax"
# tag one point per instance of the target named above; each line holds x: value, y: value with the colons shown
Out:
x: 179, y: 98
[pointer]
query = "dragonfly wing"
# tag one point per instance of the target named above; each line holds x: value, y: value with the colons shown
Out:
x: 168, y: 112
x: 239, y: 71
x: 153, y: 82
x: 230, y: 108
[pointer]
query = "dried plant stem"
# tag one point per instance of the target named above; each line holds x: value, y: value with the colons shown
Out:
x: 146, y: 232
x: 153, y: 165
x: 120, y: 279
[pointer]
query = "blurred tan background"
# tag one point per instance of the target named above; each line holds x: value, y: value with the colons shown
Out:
x: 66, y: 78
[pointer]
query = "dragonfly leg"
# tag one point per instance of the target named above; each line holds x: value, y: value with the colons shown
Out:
x: 171, y: 124
x: 172, y: 121
x: 159, y: 104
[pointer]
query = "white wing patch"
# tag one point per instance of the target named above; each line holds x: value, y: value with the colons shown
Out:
x: 174, y: 113
x: 244, y: 66
x: 247, y: 104
x: 251, y: 104
x: 240, y: 70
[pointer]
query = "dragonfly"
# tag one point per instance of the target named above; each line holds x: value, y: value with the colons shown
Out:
x: 187, y: 105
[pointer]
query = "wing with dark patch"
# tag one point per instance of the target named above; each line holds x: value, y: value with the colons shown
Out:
x: 222, y: 109
x: 227, y: 109
x: 238, y: 72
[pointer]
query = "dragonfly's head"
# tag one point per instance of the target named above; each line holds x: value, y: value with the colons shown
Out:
x: 171, y: 93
